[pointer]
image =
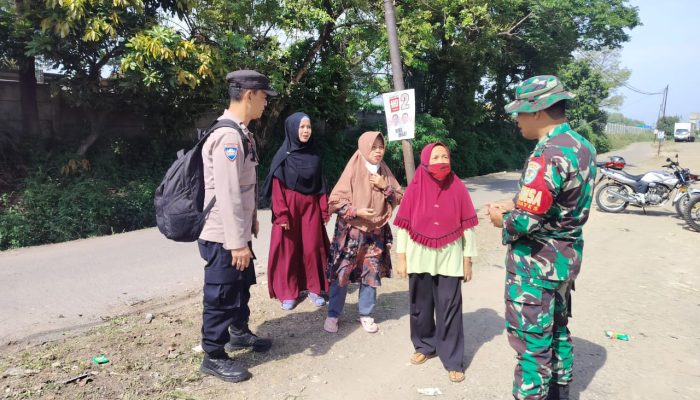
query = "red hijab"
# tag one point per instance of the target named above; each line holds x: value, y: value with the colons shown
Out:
x: 435, y: 213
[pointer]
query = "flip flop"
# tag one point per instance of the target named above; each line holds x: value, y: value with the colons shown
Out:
x: 418, y: 358
x: 455, y: 376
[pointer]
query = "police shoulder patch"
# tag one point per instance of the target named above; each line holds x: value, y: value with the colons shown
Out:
x: 231, y: 151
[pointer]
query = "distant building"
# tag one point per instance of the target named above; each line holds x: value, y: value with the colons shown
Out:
x: 694, y: 118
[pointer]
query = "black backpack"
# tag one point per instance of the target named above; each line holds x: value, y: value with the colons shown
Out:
x: 179, y: 199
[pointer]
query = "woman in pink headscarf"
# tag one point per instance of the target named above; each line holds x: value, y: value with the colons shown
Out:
x: 435, y: 244
x: 364, y: 199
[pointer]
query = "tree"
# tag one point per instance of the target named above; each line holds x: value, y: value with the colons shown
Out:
x: 83, y: 39
x: 618, y: 118
x: 16, y: 27
x: 607, y: 63
x: 666, y: 124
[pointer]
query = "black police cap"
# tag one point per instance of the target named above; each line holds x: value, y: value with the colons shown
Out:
x: 249, y: 79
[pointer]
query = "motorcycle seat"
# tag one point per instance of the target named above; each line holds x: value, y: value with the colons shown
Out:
x: 635, y: 177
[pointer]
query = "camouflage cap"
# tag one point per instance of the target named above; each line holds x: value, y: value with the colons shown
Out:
x: 538, y: 93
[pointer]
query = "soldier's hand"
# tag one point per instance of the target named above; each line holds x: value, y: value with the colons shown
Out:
x: 467, y: 269
x: 256, y: 228
x: 506, y: 205
x: 285, y: 226
x: 495, y: 213
x: 401, y: 265
x: 240, y: 258
x: 365, y: 213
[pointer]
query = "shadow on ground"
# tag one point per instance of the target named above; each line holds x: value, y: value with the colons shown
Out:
x: 480, y: 327
x: 302, y: 332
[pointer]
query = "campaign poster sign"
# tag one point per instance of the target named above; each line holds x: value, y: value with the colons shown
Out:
x: 400, y: 111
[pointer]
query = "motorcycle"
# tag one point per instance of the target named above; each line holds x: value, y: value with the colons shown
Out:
x: 691, y: 214
x: 653, y: 188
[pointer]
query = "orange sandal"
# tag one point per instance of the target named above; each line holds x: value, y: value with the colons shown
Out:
x: 456, y: 376
x: 418, y: 358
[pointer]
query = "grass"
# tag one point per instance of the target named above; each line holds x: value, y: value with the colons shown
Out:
x: 618, y: 141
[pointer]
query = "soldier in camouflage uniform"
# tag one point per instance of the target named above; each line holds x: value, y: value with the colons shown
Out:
x: 542, y: 229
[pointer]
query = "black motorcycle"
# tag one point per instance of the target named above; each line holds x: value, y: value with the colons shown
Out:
x: 691, y: 214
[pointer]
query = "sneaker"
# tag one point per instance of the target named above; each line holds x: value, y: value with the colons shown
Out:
x: 368, y: 324
x: 330, y: 325
x: 225, y: 369
x: 317, y: 300
x: 288, y: 304
x: 245, y: 339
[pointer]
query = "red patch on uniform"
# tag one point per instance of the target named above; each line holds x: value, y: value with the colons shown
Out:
x: 535, y: 196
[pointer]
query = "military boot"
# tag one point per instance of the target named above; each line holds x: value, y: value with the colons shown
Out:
x: 225, y: 369
x: 245, y: 339
x: 558, y: 392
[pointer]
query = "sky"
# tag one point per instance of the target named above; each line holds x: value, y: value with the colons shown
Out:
x: 665, y: 50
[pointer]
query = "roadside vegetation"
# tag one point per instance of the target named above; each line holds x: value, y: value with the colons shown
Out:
x: 621, y: 140
x: 166, y: 62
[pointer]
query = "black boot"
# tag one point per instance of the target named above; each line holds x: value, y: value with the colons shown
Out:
x: 225, y: 369
x: 245, y: 339
x: 558, y: 392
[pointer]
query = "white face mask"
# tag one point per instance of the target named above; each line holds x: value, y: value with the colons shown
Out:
x: 371, y: 167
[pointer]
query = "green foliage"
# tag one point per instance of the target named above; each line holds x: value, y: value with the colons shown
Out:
x: 599, y: 140
x: 666, y: 124
x: 622, y: 140
x: 428, y: 130
x: 618, y: 118
x: 328, y: 58
x: 591, y: 88
x: 114, y: 195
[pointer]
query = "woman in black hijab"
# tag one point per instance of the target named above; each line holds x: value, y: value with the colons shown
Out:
x: 299, y: 243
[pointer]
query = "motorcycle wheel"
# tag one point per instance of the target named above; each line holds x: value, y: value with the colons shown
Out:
x: 607, y: 202
x: 682, y: 204
x: 692, y: 213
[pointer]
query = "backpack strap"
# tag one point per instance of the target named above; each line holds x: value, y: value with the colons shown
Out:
x: 203, y: 135
x: 228, y: 123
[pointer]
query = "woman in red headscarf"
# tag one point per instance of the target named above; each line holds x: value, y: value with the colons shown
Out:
x: 435, y: 244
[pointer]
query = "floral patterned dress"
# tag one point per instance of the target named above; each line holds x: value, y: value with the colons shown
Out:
x: 358, y: 256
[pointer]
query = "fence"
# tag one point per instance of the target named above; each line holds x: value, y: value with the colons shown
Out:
x: 616, y: 129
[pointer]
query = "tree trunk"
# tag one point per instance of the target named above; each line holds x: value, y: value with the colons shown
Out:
x: 27, y: 93
x: 27, y: 89
x: 96, y: 120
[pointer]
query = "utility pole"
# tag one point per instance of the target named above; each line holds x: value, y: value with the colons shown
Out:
x: 662, y: 111
x: 397, y: 72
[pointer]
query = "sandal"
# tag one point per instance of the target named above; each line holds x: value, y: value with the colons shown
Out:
x: 330, y: 325
x: 455, y: 376
x: 368, y: 324
x: 317, y: 300
x: 418, y: 358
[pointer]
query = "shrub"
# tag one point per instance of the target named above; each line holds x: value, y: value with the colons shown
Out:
x: 111, y: 194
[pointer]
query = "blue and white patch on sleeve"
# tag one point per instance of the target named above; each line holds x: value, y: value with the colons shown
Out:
x: 231, y: 151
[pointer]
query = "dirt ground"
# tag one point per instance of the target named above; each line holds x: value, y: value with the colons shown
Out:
x: 639, y: 277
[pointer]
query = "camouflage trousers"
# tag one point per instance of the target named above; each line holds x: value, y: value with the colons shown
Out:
x: 537, y: 314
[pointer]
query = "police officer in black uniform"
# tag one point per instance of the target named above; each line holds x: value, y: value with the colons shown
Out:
x: 230, y: 173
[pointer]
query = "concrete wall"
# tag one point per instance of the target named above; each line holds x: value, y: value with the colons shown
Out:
x: 57, y: 119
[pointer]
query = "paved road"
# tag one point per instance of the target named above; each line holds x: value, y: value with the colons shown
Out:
x: 52, y: 288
